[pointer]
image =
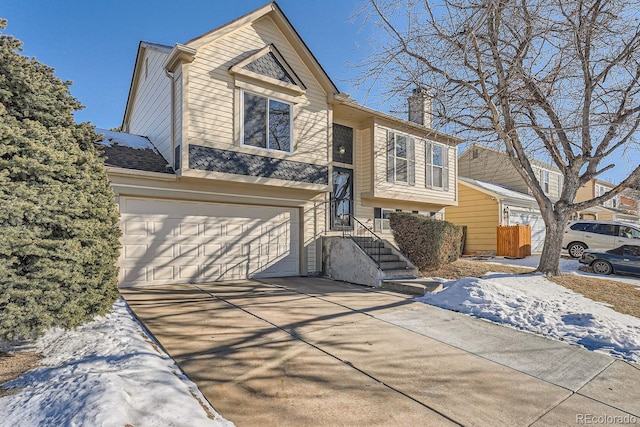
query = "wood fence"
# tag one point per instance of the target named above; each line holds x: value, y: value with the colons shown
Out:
x: 514, y: 241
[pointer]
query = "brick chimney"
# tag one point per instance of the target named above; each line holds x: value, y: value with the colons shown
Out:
x: 420, y: 107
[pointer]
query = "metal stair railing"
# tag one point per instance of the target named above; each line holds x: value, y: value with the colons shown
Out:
x: 369, y: 242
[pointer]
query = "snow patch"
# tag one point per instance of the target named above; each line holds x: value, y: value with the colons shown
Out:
x: 106, y: 372
x: 534, y: 304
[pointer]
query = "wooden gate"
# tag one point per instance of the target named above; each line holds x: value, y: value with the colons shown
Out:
x: 514, y: 241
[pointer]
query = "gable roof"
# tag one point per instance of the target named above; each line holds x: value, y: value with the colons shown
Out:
x: 533, y: 161
x: 142, y: 46
x: 496, y: 190
x: 128, y: 151
x: 284, y: 25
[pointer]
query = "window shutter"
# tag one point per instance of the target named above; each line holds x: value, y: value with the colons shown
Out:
x: 427, y: 167
x: 445, y: 168
x: 391, y: 153
x: 411, y: 157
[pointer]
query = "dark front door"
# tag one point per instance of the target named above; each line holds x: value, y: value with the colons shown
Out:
x: 342, y: 199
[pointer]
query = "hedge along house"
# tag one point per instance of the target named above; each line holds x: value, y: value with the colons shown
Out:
x: 253, y: 155
x: 484, y: 206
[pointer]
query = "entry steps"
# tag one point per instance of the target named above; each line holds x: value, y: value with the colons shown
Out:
x: 418, y: 286
x: 384, y: 257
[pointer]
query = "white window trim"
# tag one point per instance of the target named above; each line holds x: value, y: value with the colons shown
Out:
x: 546, y: 181
x: 410, y: 158
x: 268, y: 98
x: 428, y: 166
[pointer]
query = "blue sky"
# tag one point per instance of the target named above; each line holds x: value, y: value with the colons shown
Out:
x: 94, y: 42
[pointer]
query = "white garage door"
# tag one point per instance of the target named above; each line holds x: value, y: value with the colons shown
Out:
x: 533, y: 219
x: 168, y: 241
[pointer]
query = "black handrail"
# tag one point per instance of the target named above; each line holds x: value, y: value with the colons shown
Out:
x: 371, y: 243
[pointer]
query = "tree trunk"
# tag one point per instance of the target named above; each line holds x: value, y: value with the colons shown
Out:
x: 550, y: 258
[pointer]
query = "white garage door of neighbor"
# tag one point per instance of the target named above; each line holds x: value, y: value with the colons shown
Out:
x: 533, y: 219
x: 168, y: 241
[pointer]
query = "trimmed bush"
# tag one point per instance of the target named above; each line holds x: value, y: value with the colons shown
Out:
x: 58, y: 220
x: 428, y: 243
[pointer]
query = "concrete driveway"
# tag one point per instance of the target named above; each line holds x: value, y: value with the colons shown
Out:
x: 311, y: 351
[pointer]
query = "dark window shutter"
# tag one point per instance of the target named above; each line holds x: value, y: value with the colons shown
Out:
x: 391, y: 148
x: 445, y: 168
x: 411, y: 157
x: 427, y: 168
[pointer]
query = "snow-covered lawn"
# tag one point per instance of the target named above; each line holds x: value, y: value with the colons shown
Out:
x: 105, y: 373
x: 534, y: 304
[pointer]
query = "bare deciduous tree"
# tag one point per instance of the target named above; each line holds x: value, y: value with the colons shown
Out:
x: 557, y: 79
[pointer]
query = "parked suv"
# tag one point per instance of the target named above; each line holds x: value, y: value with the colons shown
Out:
x: 594, y: 234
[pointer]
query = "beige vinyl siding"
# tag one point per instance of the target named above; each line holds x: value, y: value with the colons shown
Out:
x: 177, y: 110
x: 314, y: 215
x: 363, y: 172
x: 491, y: 166
x: 417, y: 192
x: 212, y: 95
x: 151, y: 106
x: 555, y: 182
x: 479, y: 212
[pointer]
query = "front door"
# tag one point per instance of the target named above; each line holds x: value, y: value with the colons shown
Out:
x: 342, y: 199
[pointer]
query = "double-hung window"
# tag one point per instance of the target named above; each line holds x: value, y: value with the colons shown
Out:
x: 266, y: 122
x: 400, y: 158
x: 545, y: 181
x: 437, y: 166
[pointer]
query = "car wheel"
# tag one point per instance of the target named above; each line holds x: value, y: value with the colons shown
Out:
x: 575, y: 249
x: 601, y: 267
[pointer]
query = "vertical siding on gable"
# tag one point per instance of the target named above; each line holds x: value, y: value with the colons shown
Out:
x: 211, y: 94
x: 479, y: 212
x: 150, y: 113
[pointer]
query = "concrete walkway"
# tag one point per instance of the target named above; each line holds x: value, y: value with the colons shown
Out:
x: 308, y: 351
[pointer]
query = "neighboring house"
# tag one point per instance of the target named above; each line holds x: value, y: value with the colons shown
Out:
x: 490, y: 165
x: 484, y: 206
x: 261, y: 156
x: 621, y: 207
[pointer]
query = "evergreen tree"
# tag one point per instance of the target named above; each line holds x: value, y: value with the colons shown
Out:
x: 58, y: 221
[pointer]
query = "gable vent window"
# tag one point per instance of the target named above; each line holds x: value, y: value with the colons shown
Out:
x: 400, y: 158
x: 437, y: 167
x: 266, y: 123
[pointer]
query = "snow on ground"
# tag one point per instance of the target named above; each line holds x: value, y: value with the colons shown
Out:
x: 534, y: 304
x: 567, y: 266
x: 106, y: 372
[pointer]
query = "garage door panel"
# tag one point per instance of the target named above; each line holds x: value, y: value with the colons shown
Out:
x: 174, y: 241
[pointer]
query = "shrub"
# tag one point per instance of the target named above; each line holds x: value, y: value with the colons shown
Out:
x: 58, y: 220
x: 426, y: 242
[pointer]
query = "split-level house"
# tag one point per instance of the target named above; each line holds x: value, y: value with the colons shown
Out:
x: 621, y: 207
x: 493, y: 194
x: 238, y: 154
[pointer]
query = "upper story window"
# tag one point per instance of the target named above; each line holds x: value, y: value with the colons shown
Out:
x: 400, y: 158
x: 437, y: 166
x: 545, y: 181
x: 266, y: 122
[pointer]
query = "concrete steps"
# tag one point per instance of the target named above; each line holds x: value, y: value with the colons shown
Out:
x: 417, y: 286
